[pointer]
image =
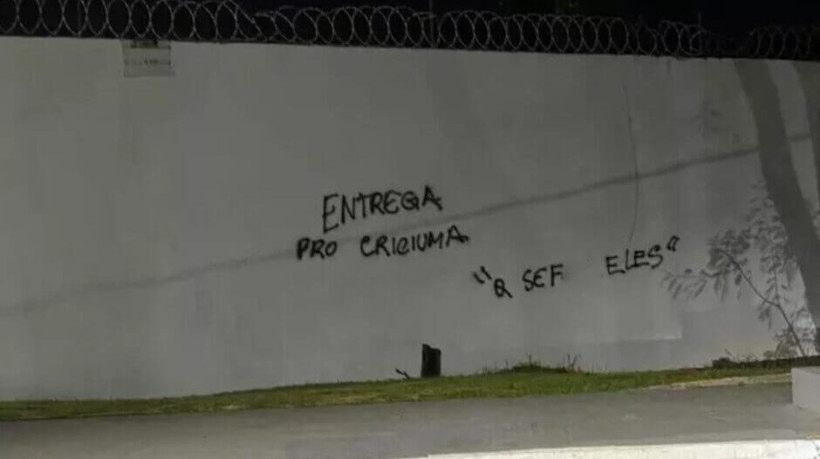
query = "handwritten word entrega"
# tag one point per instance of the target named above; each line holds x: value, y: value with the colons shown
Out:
x: 339, y: 209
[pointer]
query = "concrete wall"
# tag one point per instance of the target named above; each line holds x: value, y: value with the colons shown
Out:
x: 150, y: 225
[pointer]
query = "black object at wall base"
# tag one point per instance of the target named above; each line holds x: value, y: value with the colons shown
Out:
x: 430, y: 361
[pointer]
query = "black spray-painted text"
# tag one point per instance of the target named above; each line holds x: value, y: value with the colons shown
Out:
x: 403, y: 245
x: 535, y: 278
x: 635, y: 259
x: 339, y: 209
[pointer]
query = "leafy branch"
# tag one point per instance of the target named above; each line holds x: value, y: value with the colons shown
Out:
x: 763, y: 240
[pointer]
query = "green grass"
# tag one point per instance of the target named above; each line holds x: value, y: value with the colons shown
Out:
x: 501, y: 384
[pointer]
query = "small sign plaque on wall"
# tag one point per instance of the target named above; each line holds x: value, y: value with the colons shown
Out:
x: 146, y: 58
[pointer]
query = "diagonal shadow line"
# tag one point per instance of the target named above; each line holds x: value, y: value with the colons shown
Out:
x: 634, y: 150
x: 26, y: 307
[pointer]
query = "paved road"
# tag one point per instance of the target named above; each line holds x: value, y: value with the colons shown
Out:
x: 406, y: 430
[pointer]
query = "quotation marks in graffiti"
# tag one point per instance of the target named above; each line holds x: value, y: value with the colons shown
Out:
x: 638, y: 258
x: 532, y: 278
x: 550, y: 275
x: 499, y: 285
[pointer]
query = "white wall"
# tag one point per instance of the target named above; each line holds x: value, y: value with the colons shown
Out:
x: 149, y: 225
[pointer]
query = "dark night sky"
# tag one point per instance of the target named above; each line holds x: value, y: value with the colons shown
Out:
x: 728, y: 18
x: 728, y: 15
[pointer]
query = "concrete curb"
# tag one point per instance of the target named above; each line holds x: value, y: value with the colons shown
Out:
x: 791, y: 449
x: 777, y: 378
x: 806, y: 388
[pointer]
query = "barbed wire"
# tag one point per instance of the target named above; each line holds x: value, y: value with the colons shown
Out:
x: 390, y: 26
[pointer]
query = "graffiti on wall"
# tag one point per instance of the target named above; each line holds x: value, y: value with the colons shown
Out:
x: 774, y: 258
x: 637, y: 259
x: 548, y: 276
x: 339, y: 210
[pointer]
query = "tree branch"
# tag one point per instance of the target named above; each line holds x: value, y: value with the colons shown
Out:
x: 777, y: 304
